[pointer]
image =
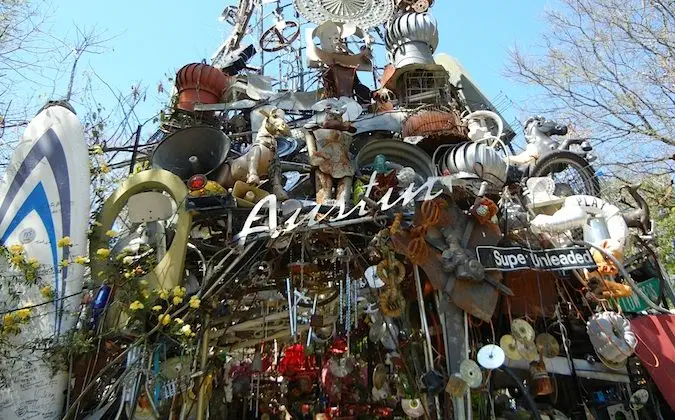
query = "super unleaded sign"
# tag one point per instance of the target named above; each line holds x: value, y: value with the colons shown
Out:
x: 518, y: 258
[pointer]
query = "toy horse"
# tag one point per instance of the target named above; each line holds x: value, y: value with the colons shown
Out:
x: 261, y: 159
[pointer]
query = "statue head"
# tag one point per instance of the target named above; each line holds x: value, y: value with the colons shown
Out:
x: 275, y: 122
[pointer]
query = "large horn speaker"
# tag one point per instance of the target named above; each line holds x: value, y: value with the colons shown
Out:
x: 191, y: 151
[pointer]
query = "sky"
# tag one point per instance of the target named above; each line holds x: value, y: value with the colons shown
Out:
x: 150, y: 39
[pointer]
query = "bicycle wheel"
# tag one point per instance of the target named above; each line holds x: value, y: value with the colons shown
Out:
x: 572, y: 173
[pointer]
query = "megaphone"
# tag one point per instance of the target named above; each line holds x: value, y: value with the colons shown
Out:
x: 191, y: 151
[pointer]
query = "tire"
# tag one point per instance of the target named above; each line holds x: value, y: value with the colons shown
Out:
x: 559, y: 160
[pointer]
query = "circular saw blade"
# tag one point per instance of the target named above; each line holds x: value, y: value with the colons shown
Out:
x: 490, y: 356
x: 547, y: 345
x: 510, y: 347
x: 522, y: 331
x: 471, y: 373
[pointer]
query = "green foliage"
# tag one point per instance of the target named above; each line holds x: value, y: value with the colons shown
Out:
x: 665, y: 228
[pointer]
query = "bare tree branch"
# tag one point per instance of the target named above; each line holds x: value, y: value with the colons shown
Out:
x: 609, y: 66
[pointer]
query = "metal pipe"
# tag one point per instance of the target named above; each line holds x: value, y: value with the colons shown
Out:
x: 428, y: 351
x: 201, y: 400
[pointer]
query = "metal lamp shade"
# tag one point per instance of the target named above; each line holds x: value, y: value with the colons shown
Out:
x: 191, y: 151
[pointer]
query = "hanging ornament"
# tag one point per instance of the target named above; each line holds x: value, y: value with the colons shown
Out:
x: 391, y: 302
x: 456, y: 386
x: 490, y: 356
x: 510, y: 347
x: 413, y: 407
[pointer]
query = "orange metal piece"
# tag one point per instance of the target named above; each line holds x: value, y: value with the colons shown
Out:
x: 200, y: 83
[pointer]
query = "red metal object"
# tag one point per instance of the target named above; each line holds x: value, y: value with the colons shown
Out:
x: 656, y: 350
x: 436, y: 123
x: 200, y: 83
x: 196, y: 182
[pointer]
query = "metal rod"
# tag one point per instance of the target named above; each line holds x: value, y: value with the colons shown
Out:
x: 309, y: 333
x: 290, y: 305
x: 134, y: 151
x: 428, y: 351
x: 202, y: 401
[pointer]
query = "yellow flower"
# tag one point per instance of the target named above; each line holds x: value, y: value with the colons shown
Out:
x: 63, y: 263
x: 16, y: 249
x: 145, y: 293
x: 81, y: 260
x: 47, y: 292
x: 178, y: 321
x: 186, y: 330
x: 97, y: 150
x: 104, y: 168
x: 111, y: 234
x: 157, y: 308
x: 64, y: 242
x: 143, y: 282
x: 17, y: 259
x: 195, y: 302
x: 163, y: 294
x: 7, y: 320
x: 23, y: 314
x: 177, y: 300
x: 179, y: 291
x: 96, y: 223
x: 164, y: 319
x: 103, y: 253
x: 136, y: 305
x: 33, y: 262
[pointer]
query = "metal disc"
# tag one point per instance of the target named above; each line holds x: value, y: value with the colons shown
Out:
x: 490, y: 356
x: 528, y: 350
x: 509, y: 345
x: 471, y: 373
x: 373, y: 280
x: 413, y: 408
x: 522, y: 331
x: 547, y: 345
x: 362, y: 13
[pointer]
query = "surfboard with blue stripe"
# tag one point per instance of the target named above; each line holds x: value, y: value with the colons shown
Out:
x: 44, y: 197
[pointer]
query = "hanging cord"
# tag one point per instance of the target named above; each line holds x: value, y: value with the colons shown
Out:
x: 521, y: 388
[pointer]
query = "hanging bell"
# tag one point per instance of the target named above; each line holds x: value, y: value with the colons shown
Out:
x: 541, y: 382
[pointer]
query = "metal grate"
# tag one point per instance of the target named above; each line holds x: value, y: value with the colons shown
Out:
x: 423, y: 87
